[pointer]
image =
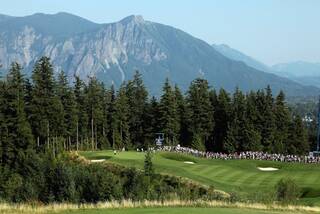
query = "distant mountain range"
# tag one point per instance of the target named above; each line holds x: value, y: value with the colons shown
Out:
x: 112, y: 52
x: 305, y: 73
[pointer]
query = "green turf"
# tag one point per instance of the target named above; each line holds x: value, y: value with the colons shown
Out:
x: 177, y: 211
x: 241, y: 176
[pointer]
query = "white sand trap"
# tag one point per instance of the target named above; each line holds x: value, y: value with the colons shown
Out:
x: 267, y: 169
x: 98, y: 161
x: 188, y: 162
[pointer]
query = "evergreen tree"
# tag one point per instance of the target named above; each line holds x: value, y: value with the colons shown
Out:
x: 282, y: 122
x: 222, y: 118
x: 214, y: 101
x: 28, y: 98
x: 266, y: 119
x: 237, y: 127
x: 16, y: 139
x: 152, y: 121
x: 230, y: 142
x: 67, y: 98
x: 110, y: 115
x: 82, y: 116
x: 201, y: 111
x: 122, y: 119
x: 94, y: 99
x: 44, y: 104
x: 297, y: 140
x: 137, y: 97
x: 169, y: 118
x: 234, y: 138
x: 269, y: 127
x: 183, y: 115
x: 3, y: 125
x: 252, y: 136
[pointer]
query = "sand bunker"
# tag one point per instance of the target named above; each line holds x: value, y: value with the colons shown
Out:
x: 188, y: 162
x: 97, y: 161
x: 267, y: 169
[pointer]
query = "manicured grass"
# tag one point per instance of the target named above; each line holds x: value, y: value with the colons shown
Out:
x: 174, y: 210
x: 241, y: 176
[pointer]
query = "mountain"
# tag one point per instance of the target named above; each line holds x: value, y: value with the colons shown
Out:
x: 301, y: 72
x: 239, y: 56
x: 56, y: 25
x: 114, y: 51
x: 297, y: 69
x: 5, y: 17
x: 306, y: 73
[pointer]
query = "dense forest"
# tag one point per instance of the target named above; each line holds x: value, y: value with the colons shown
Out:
x: 47, y: 112
x: 42, y: 117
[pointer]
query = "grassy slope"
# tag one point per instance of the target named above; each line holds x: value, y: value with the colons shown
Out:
x: 176, y: 211
x: 240, y: 176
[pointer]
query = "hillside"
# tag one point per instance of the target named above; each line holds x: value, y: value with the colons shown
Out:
x: 114, y: 51
x: 234, y: 54
x: 304, y: 73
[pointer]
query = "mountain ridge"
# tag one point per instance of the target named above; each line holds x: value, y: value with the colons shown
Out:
x: 113, y: 51
x: 302, y: 72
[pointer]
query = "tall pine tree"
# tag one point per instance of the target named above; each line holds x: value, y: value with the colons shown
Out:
x: 137, y: 98
x: 201, y: 113
x: 168, y: 115
x: 16, y: 137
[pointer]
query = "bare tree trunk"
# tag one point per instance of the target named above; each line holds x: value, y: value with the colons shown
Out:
x: 38, y: 141
x: 113, y: 146
x: 96, y: 138
x: 48, y: 135
x: 81, y: 143
x: 87, y: 143
x: 92, y: 135
x: 121, y: 136
x: 77, y: 135
x: 53, y: 149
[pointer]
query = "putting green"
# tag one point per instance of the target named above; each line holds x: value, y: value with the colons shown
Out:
x: 241, y: 176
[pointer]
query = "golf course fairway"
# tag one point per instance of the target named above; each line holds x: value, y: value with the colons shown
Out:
x: 240, y: 176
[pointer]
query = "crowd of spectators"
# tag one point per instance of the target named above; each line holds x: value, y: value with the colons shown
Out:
x: 250, y: 155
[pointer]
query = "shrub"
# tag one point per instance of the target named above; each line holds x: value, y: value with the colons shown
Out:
x: 12, y: 186
x: 287, y: 190
x: 64, y: 179
x: 148, y: 166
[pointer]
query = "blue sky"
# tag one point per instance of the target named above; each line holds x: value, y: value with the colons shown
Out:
x: 271, y: 31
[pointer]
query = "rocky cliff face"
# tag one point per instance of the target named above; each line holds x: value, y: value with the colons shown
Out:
x: 112, y: 52
x: 105, y: 50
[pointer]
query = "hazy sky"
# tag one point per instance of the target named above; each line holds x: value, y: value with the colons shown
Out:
x: 271, y: 31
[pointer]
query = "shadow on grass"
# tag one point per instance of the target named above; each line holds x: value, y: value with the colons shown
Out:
x: 308, y: 192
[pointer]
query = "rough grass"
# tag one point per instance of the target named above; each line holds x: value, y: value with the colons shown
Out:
x: 240, y: 176
x: 173, y: 206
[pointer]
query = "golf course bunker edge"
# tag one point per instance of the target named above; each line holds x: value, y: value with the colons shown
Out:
x: 267, y: 169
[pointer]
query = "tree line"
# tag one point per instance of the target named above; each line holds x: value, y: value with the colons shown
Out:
x: 48, y: 113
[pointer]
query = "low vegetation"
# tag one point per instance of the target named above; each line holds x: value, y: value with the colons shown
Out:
x: 287, y: 190
x: 166, y: 206
x: 75, y: 180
